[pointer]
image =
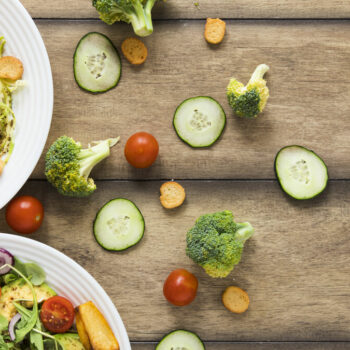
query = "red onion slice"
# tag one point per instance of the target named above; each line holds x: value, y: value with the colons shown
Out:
x: 12, y: 324
x: 5, y: 258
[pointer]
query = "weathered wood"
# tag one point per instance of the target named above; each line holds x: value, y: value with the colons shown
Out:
x: 179, y: 9
x: 295, y: 268
x: 261, y: 346
x: 309, y: 102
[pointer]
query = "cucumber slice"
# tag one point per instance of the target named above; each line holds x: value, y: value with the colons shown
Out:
x: 199, y: 121
x: 97, y: 65
x: 301, y: 173
x: 118, y: 225
x: 181, y: 340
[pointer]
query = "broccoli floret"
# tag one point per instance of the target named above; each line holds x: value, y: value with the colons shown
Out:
x: 68, y: 166
x: 216, y: 242
x: 248, y: 101
x: 136, y: 12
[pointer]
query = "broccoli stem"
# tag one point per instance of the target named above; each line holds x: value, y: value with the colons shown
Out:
x: 91, y: 156
x: 244, y: 231
x: 139, y: 20
x: 148, y: 14
x: 259, y: 72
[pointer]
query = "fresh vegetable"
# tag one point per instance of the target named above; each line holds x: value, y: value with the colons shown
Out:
x: 69, y: 341
x: 100, y: 334
x: 19, y: 290
x: 25, y: 214
x: 68, y: 166
x: 180, y: 288
x: 172, y: 195
x: 180, y: 339
x: 136, y: 12
x: 6, y: 258
x: 235, y: 299
x: 248, y: 101
x: 12, y: 324
x: 97, y: 65
x: 57, y: 314
x: 216, y: 242
x: 141, y: 150
x: 119, y: 225
x: 301, y: 173
x: 199, y: 121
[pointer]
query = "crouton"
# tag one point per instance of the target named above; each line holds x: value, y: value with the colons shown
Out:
x: 235, y: 299
x: 10, y: 68
x: 134, y: 50
x: 172, y: 195
x: 214, y: 30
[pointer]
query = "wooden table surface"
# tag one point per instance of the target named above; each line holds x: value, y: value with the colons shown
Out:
x: 296, y: 268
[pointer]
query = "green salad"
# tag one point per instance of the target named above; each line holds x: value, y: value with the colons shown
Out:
x: 32, y: 316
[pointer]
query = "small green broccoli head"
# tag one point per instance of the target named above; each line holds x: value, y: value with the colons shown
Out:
x: 248, y: 101
x: 216, y: 242
x: 68, y: 166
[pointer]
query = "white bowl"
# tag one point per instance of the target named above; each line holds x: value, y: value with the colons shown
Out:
x: 33, y: 103
x: 68, y: 279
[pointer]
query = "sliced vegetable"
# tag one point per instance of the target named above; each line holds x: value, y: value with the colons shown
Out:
x: 199, y: 121
x: 25, y: 214
x: 119, y: 225
x: 57, y: 314
x: 181, y: 339
x: 97, y: 65
x: 301, y: 173
x: 100, y: 334
x: 12, y: 324
x: 5, y: 258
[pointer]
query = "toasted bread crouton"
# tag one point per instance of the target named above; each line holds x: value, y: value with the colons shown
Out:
x: 97, y: 328
x: 84, y: 337
x: 235, y: 299
x: 172, y: 195
x: 10, y: 68
x: 214, y: 30
x: 134, y: 50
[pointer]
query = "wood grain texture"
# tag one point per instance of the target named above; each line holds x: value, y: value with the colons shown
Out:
x: 261, y: 346
x: 180, y: 9
x: 309, y: 104
x: 295, y: 268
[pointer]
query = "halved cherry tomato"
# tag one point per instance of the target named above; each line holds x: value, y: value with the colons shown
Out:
x: 141, y: 150
x: 24, y: 214
x: 57, y: 314
x: 180, y: 288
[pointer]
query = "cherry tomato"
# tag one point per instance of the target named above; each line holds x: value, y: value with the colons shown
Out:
x: 180, y: 288
x: 141, y: 150
x: 57, y: 314
x: 24, y: 214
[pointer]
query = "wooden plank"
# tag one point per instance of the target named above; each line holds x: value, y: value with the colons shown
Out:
x: 295, y: 268
x: 261, y: 346
x: 309, y: 102
x: 180, y: 9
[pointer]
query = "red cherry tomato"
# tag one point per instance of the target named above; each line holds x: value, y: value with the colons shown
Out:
x: 57, y: 314
x: 180, y: 288
x: 24, y: 214
x: 141, y: 150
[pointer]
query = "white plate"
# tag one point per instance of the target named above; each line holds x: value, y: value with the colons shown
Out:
x: 68, y: 279
x: 33, y: 103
